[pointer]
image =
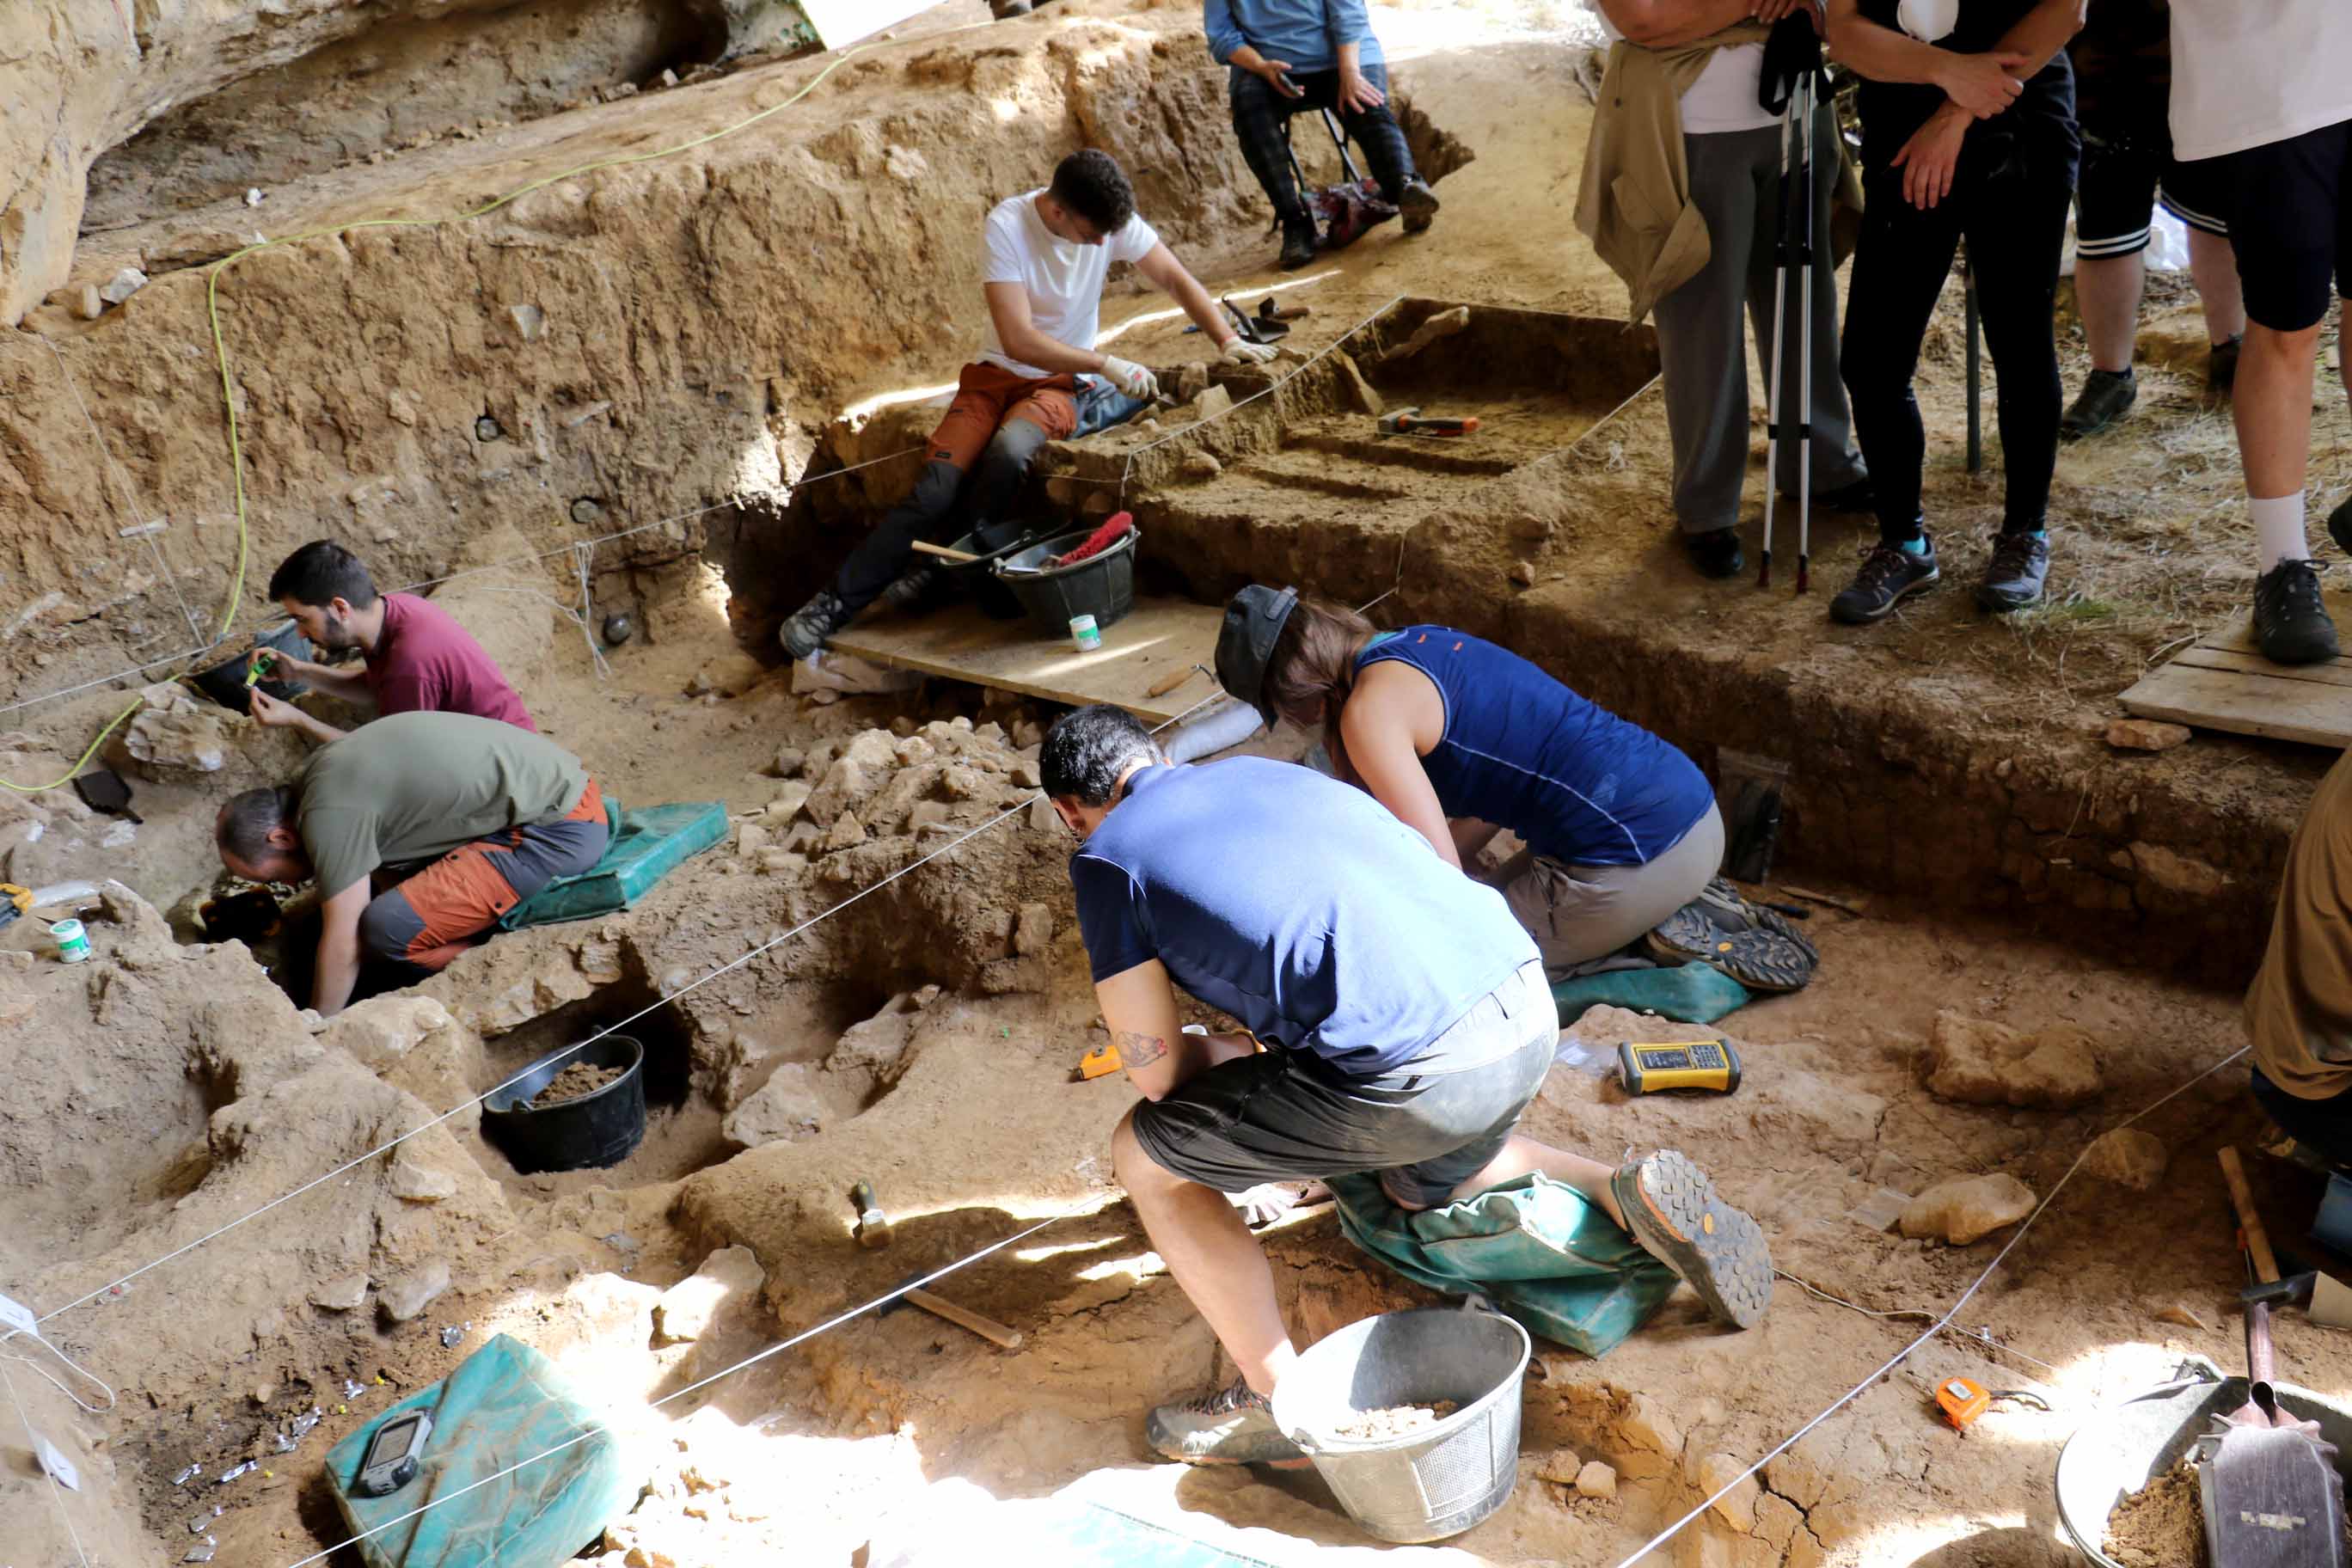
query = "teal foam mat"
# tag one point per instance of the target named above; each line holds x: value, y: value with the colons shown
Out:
x: 646, y: 846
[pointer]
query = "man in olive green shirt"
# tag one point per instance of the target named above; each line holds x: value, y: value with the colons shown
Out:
x: 457, y: 818
x: 2299, y: 1008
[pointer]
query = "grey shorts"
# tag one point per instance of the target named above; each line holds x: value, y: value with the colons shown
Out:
x: 1426, y: 1128
x: 1582, y: 915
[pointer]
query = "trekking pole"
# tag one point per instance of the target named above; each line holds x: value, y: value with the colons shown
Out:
x: 1779, y: 313
x: 1801, y: 107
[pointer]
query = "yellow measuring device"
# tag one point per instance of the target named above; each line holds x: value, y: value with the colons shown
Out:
x: 1679, y: 1064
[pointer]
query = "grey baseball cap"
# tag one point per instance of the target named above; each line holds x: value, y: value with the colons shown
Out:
x: 1254, y: 619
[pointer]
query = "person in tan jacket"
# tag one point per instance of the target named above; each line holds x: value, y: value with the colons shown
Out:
x: 2299, y: 1008
x: 1681, y: 182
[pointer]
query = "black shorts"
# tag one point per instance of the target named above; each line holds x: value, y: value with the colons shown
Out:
x: 2291, y: 225
x: 2123, y: 169
x: 1426, y: 1128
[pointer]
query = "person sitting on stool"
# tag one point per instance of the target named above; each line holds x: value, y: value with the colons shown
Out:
x: 2299, y: 1008
x: 1045, y: 253
x: 458, y: 819
x: 1289, y: 54
x: 1407, y: 1027
x: 1462, y: 740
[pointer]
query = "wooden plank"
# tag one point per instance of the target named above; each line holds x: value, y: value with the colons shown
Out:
x: 1157, y: 639
x: 2237, y: 635
x: 2331, y: 672
x: 2246, y: 703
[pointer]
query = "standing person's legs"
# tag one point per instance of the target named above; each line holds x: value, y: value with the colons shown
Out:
x: 428, y: 921
x: 2289, y: 230
x: 1900, y: 264
x: 2016, y: 228
x: 1840, y: 479
x: 2198, y: 195
x: 1702, y: 349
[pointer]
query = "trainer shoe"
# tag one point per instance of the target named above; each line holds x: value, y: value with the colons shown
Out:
x: 1727, y: 907
x: 2221, y: 365
x: 1855, y: 496
x: 1887, y: 573
x: 2106, y: 396
x: 1675, y: 1212
x: 1716, y: 552
x: 1418, y: 203
x: 2340, y: 526
x: 1759, y: 959
x: 2291, y: 624
x: 2014, y: 577
x: 1297, y: 244
x: 1232, y: 1426
x: 908, y: 591
x: 810, y: 625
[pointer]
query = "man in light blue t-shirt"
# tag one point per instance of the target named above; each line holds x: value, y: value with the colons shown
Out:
x: 1405, y: 1025
x: 1292, y: 55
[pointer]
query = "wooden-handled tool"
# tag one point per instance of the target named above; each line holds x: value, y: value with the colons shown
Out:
x: 988, y: 1329
x: 2241, y: 1198
x: 960, y: 557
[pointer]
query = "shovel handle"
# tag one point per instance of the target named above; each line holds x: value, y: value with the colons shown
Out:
x: 943, y: 552
x: 962, y: 1317
x: 2241, y: 1197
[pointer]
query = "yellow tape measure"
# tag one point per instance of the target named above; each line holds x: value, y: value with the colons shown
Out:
x: 1681, y: 1064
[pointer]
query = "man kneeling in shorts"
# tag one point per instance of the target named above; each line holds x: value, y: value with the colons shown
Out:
x: 1405, y: 1025
x: 457, y: 819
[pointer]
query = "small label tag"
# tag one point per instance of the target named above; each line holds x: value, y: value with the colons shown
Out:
x: 18, y: 1318
x: 58, y: 1465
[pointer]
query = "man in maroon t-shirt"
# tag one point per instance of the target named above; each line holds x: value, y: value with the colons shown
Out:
x: 417, y: 660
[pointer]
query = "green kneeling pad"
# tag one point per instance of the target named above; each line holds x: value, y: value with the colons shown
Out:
x: 1538, y: 1249
x: 504, y: 1404
x: 646, y: 846
x: 1692, y: 993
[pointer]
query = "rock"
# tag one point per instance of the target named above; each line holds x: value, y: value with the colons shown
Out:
x: 927, y: 814
x: 1027, y: 734
x: 802, y: 838
x: 2180, y: 1313
x: 400, y: 1299
x: 645, y: 1556
x: 1596, y: 1480
x: 728, y: 675
x: 383, y: 1029
x: 1523, y: 573
x: 1736, y: 1507
x: 848, y: 785
x: 782, y: 862
x: 1027, y: 774
x: 342, y: 1295
x: 992, y: 732
x: 1200, y: 465
x: 1213, y: 403
x: 786, y: 803
x: 960, y: 783
x: 688, y: 1309
x: 2128, y: 1157
x: 1561, y: 1465
x: 86, y: 302
x: 786, y: 1108
x: 789, y: 761
x: 172, y: 730
x: 1966, y: 1208
x: 875, y: 749
x: 1187, y: 381
x: 2146, y: 735
x: 122, y: 285
x: 1042, y: 817
x: 1980, y: 1062
x: 1032, y: 930
x: 1529, y: 526
x: 1646, y: 1426
x: 1354, y: 389
x: 413, y: 1180
x: 847, y: 833
x: 1444, y: 324
x: 529, y: 321
x: 750, y: 839
x: 913, y: 749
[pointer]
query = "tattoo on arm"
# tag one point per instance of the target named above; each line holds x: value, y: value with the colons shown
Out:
x: 1136, y: 1050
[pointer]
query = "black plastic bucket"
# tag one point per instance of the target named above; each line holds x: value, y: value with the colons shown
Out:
x: 1102, y: 585
x: 991, y: 543
x: 594, y: 1129
x: 224, y: 683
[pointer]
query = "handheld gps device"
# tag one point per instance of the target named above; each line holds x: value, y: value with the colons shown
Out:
x: 393, y: 1458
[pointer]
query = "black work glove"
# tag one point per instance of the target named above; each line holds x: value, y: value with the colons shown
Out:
x: 1794, y: 49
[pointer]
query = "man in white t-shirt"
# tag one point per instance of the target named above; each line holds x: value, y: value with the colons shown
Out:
x: 1043, y: 261
x: 2264, y: 86
x: 1713, y: 52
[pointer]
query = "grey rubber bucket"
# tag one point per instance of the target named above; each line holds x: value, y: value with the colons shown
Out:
x: 2121, y: 1448
x: 1435, y: 1482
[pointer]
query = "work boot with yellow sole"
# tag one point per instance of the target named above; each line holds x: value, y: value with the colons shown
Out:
x: 1679, y: 1218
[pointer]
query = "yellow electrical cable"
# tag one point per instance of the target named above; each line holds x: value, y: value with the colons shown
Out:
x: 220, y: 343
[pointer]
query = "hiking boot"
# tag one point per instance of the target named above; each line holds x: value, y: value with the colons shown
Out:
x: 1887, y: 573
x: 2107, y: 395
x: 2014, y: 577
x: 2291, y: 624
x: 810, y: 625
x: 1419, y: 204
x: 910, y: 590
x: 1716, y: 552
x: 2222, y: 365
x: 1727, y: 907
x: 1232, y: 1426
x: 1856, y: 496
x: 1297, y: 244
x: 1759, y: 959
x: 1675, y: 1212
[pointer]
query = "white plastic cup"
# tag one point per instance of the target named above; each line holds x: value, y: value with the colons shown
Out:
x: 1085, y: 634
x: 73, y: 943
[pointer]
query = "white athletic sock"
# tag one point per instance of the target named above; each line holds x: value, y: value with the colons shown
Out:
x: 2278, y: 528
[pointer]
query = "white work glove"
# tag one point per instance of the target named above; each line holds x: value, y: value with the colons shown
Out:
x: 1239, y: 351
x: 1131, y: 377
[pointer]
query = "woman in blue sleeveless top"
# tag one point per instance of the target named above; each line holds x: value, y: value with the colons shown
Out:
x: 1462, y: 739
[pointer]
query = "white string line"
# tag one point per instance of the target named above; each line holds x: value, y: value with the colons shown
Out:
x: 1129, y: 467
x: 1009, y: 812
x: 139, y: 515
x: 430, y: 581
x: 778, y: 1349
x: 1859, y: 1389
x: 1810, y: 1288
x: 75, y: 1367
x: 57, y: 1492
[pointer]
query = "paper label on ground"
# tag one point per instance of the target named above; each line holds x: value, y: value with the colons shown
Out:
x: 57, y: 1463
x: 17, y: 1317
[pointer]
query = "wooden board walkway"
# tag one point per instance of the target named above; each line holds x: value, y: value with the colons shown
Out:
x: 2223, y: 683
x: 1158, y: 639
